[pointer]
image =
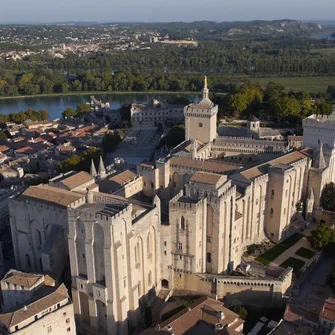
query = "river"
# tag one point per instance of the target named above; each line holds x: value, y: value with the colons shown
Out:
x: 55, y: 105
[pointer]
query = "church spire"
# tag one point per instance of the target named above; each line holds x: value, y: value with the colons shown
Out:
x: 205, y: 82
x: 93, y: 171
x: 102, y: 170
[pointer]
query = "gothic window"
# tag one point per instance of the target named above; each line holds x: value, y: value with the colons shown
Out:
x: 272, y: 194
x: 180, y: 246
x: 271, y: 211
x: 200, y: 124
x: 208, y: 239
x: 182, y: 223
x: 149, y: 278
x: 209, y: 257
x: 39, y: 238
x: 148, y: 243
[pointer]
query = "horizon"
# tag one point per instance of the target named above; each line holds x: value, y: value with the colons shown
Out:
x: 160, y: 11
x: 74, y: 22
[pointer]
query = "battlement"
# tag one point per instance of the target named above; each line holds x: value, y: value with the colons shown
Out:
x: 92, y: 215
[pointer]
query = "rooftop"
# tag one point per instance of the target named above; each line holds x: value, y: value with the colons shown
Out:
x: 262, y: 169
x: 206, y: 178
x: 15, y: 277
x: 207, y: 166
x: 50, y: 194
x: 204, y: 313
x: 76, y: 180
x: 38, y: 305
x: 123, y: 177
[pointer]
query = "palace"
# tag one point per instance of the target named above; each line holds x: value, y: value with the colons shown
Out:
x: 180, y: 223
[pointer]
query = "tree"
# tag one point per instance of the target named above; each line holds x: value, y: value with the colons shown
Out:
x: 327, y: 200
x: 3, y: 136
x: 69, y: 112
x: 83, y: 109
x: 322, y: 236
x: 44, y: 115
x: 238, y: 102
x: 111, y: 141
x: 241, y: 311
x: 324, y: 108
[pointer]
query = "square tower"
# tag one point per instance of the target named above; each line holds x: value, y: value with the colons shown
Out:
x: 200, y: 119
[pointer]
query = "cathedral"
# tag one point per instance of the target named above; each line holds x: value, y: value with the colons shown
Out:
x: 180, y: 223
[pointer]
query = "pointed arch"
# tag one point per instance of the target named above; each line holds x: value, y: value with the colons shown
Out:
x: 80, y: 247
x: 98, y: 249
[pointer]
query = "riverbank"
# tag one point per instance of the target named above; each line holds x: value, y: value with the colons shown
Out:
x: 95, y: 93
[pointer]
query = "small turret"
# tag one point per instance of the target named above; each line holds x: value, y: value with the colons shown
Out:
x: 101, y: 170
x: 89, y: 197
x: 320, y: 162
x: 93, y: 171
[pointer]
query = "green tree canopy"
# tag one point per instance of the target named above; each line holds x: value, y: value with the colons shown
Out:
x: 83, y: 109
x: 111, y: 141
x: 327, y: 200
x: 69, y: 112
x: 322, y: 236
x: 3, y: 136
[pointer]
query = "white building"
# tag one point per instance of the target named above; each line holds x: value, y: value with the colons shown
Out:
x: 33, y: 304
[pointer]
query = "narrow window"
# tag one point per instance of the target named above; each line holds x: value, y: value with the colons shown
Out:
x: 182, y: 223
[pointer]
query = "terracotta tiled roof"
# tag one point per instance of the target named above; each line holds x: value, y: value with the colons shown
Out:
x: 21, y: 278
x: 15, y: 318
x: 207, y: 166
x: 25, y: 150
x: 49, y: 194
x: 204, y: 310
x: 123, y: 177
x: 4, y: 148
x: 259, y: 170
x: 76, y: 180
x: 206, y: 178
x: 147, y: 165
x: 328, y: 310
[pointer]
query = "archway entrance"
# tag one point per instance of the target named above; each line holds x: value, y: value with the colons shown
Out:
x: 165, y: 283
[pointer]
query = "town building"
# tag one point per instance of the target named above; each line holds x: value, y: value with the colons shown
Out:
x: 34, y: 304
x: 204, y: 316
x: 156, y: 113
x: 180, y: 224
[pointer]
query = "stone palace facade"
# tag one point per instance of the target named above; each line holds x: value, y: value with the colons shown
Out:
x: 180, y: 225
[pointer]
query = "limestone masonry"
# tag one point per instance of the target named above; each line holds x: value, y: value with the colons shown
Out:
x: 179, y: 224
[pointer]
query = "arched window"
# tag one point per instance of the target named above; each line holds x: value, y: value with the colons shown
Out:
x: 148, y: 243
x: 39, y: 238
x: 272, y: 194
x: 182, y: 223
x: 149, y: 278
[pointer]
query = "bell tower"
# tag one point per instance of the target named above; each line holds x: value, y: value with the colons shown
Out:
x: 200, y: 118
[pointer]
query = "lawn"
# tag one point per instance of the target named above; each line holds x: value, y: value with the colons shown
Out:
x: 308, y: 84
x: 278, y: 249
x: 294, y: 263
x: 325, y: 51
x: 305, y: 253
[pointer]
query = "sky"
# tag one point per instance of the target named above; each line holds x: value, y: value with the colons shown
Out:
x: 163, y: 10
